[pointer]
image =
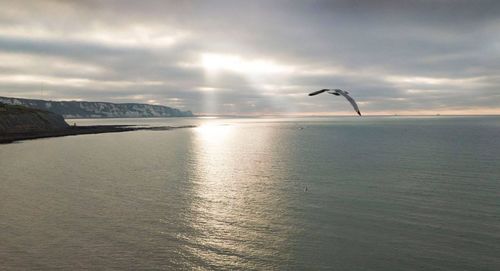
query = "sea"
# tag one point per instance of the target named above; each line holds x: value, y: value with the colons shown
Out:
x: 309, y: 193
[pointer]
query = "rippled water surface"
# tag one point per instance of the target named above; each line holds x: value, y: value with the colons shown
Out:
x: 345, y: 193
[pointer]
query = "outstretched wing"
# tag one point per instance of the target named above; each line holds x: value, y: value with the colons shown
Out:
x: 351, y: 100
x: 318, y: 92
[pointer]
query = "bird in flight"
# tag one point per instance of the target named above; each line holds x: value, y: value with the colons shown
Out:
x: 338, y: 92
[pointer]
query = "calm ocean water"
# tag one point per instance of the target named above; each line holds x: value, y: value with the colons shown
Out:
x: 392, y: 193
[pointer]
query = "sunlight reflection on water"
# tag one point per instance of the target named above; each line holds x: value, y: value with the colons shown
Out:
x: 384, y: 193
x: 236, y: 202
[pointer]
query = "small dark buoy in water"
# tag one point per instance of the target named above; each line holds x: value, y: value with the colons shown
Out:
x: 305, y: 188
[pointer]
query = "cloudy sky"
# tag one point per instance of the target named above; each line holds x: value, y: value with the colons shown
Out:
x: 256, y: 57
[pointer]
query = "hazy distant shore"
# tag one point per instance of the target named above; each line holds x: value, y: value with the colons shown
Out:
x: 82, y: 130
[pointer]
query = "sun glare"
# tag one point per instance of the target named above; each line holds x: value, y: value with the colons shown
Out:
x: 224, y: 62
x: 213, y: 132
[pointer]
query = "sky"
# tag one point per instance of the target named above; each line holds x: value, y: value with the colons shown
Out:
x: 256, y: 57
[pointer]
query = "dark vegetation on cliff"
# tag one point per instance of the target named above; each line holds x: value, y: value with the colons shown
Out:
x: 20, y: 119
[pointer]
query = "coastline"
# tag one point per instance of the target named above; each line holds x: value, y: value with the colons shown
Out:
x: 83, y: 130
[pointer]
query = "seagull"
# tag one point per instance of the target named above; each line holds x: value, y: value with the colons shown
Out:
x: 338, y: 92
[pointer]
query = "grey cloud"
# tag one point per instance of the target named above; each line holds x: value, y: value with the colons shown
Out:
x: 368, y: 40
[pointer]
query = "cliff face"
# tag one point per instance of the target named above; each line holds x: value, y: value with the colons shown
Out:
x: 75, y: 109
x: 19, y: 119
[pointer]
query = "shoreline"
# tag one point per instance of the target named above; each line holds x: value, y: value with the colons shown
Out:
x: 83, y: 130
